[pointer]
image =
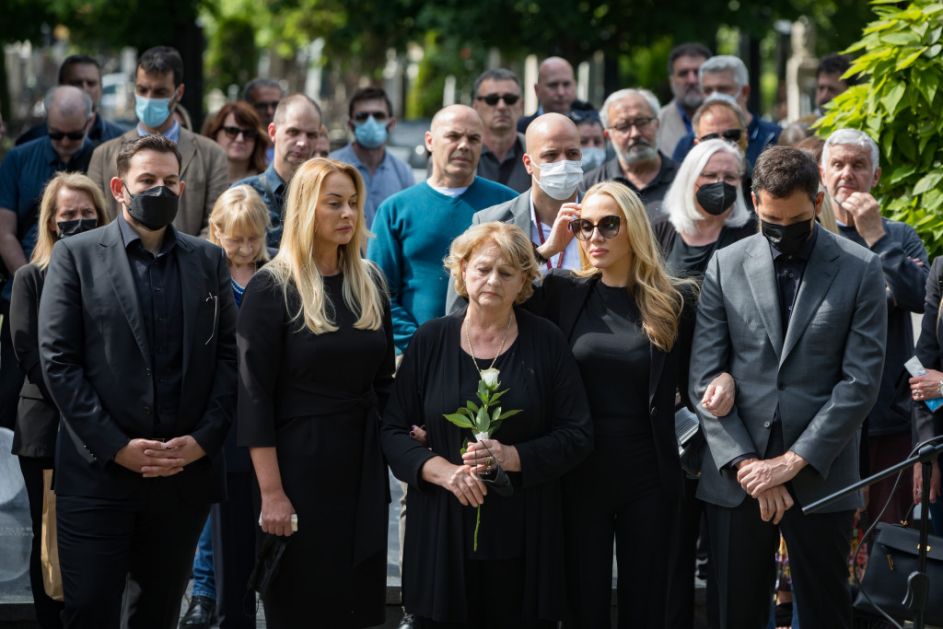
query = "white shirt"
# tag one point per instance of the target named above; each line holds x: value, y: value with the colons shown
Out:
x: 449, y: 192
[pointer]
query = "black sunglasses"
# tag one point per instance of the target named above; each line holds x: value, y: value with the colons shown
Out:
x: 264, y: 105
x: 233, y: 132
x: 492, y: 99
x: 731, y: 135
x: 72, y: 135
x: 608, y: 227
x: 362, y: 116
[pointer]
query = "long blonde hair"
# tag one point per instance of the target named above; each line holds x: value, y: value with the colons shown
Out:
x: 657, y: 294
x: 46, y: 237
x: 294, y: 265
x: 240, y: 209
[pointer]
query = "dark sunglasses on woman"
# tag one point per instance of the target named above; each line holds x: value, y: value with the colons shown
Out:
x: 233, y: 132
x: 608, y: 227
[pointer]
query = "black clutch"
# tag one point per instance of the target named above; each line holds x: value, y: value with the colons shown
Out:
x: 892, y: 557
x: 267, y: 563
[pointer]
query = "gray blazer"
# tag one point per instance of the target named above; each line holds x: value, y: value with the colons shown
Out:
x: 824, y: 375
x: 516, y: 211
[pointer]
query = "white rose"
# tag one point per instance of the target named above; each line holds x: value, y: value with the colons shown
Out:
x: 490, y: 377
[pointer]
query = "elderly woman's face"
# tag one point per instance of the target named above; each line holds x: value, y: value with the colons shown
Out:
x: 490, y: 278
x: 722, y: 167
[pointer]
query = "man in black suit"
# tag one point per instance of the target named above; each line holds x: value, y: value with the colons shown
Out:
x: 137, y: 342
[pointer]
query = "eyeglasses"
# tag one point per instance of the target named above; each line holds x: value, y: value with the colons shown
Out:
x: 233, y: 132
x: 638, y: 123
x: 730, y: 135
x: 72, y: 135
x: 492, y: 99
x: 265, y: 105
x: 363, y: 116
x: 608, y: 227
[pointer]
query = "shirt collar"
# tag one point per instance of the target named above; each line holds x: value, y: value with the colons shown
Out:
x: 803, y: 253
x: 172, y: 134
x: 129, y: 236
x: 273, y: 179
x: 352, y: 158
x: 52, y: 158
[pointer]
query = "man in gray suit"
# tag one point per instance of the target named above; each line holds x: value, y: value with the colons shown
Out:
x: 798, y: 317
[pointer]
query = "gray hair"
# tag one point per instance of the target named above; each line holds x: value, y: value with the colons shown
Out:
x: 855, y: 138
x: 618, y: 95
x: 68, y: 101
x: 255, y: 84
x: 719, y: 99
x: 679, y: 202
x: 496, y: 74
x: 726, y: 63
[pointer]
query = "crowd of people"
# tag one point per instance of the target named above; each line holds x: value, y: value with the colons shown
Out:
x: 221, y: 343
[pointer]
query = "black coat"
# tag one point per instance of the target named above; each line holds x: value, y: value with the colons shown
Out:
x: 37, y: 418
x: 930, y: 350
x: 96, y: 361
x: 434, y: 551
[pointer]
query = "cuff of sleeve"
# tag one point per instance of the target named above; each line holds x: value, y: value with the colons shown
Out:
x: 732, y: 465
x: 818, y: 463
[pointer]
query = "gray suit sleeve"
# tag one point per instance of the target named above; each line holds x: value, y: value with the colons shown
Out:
x: 853, y: 397
x: 727, y: 437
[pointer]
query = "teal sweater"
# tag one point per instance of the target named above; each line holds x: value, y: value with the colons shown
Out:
x: 414, y: 229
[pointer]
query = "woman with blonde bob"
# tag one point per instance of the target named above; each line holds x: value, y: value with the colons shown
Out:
x: 316, y: 363
x: 626, y: 321
x: 71, y: 204
x: 476, y: 555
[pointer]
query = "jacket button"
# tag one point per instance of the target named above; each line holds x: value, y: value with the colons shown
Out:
x: 767, y: 424
x: 147, y: 371
x: 147, y: 410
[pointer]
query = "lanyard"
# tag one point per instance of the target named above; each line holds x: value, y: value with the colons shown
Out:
x: 540, y: 234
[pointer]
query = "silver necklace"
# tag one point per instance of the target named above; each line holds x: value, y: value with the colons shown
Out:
x: 500, y: 348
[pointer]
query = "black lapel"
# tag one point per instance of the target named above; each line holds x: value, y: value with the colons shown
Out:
x: 115, y: 259
x: 573, y: 301
x: 191, y: 283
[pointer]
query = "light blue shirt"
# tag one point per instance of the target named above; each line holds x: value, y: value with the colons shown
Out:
x: 172, y: 134
x: 391, y: 176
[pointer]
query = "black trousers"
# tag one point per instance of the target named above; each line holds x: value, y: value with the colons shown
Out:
x: 126, y: 563
x: 680, y: 605
x: 233, y: 527
x: 47, y: 609
x: 742, y: 567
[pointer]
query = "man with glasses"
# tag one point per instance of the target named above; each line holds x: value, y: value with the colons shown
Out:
x: 498, y: 102
x: 630, y: 119
x: 263, y: 95
x: 23, y: 176
x: 371, y: 121
x: 294, y: 132
x: 555, y: 88
x: 158, y: 89
x: 85, y: 73
x: 726, y: 74
x: 675, y: 122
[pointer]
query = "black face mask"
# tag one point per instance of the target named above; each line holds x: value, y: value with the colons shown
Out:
x: 788, y: 239
x: 155, y: 208
x: 716, y: 198
x: 71, y: 228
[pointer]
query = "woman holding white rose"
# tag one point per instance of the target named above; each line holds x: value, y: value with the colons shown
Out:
x: 475, y: 554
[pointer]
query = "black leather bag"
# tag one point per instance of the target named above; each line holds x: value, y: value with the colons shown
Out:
x: 892, y: 557
x: 691, y: 442
x: 267, y: 563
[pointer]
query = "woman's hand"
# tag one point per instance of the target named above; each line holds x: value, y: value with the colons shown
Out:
x: 560, y: 234
x: 927, y: 386
x: 419, y: 434
x: 458, y: 479
x: 720, y: 394
x: 276, y: 513
x: 483, y: 459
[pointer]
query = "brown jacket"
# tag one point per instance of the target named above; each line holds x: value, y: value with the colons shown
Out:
x: 204, y: 169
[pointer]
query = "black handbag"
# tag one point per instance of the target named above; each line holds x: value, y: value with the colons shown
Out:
x: 691, y: 442
x: 267, y: 563
x: 892, y: 557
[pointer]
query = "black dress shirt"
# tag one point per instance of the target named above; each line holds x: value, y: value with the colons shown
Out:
x: 789, y: 271
x: 157, y: 282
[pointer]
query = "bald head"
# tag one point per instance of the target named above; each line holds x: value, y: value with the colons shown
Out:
x: 294, y: 133
x: 68, y: 118
x: 66, y: 100
x: 556, y: 85
x: 454, y: 139
x: 293, y: 103
x: 550, y: 138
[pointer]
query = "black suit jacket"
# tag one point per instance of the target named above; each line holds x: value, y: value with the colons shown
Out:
x: 96, y: 362
x: 929, y: 350
x: 561, y: 298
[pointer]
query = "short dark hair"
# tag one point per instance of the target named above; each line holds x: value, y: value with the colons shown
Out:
x: 369, y: 93
x: 835, y: 63
x: 77, y: 60
x: 161, y: 60
x: 496, y: 74
x: 132, y: 147
x: 781, y: 170
x: 687, y: 49
x: 254, y: 84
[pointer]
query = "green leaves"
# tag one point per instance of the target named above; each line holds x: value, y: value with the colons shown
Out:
x: 898, y: 105
x: 481, y: 419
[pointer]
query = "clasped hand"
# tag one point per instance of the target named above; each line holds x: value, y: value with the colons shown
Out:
x: 483, y: 456
x: 152, y: 458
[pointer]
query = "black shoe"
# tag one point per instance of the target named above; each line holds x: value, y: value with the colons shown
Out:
x: 407, y: 622
x: 200, y: 614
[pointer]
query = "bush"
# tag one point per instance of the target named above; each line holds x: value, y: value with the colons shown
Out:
x: 898, y: 103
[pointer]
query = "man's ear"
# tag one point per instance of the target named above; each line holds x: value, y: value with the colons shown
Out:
x: 116, y: 187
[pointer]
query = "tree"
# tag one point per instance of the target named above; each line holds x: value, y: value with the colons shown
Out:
x: 898, y: 105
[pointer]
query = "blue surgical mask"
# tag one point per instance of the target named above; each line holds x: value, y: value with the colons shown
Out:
x: 370, y: 134
x: 152, y: 112
x: 592, y: 157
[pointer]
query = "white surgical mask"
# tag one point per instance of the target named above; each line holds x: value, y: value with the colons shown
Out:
x: 561, y: 179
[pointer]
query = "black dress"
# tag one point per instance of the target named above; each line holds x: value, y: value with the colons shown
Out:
x: 316, y: 399
x: 516, y: 577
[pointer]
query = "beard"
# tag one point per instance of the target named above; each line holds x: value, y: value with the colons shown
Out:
x: 639, y: 152
x: 689, y: 97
